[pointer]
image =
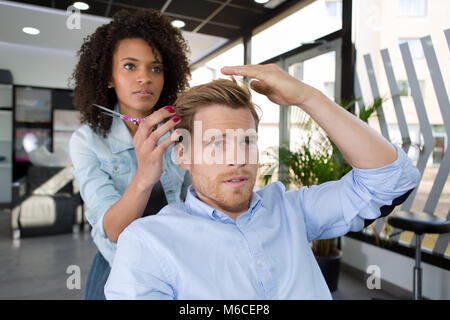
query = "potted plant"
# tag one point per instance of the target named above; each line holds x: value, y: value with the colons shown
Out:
x: 316, y: 161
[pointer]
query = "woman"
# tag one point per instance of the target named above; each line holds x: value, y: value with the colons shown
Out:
x: 134, y: 65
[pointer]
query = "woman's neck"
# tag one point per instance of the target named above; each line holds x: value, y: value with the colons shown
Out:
x: 129, y: 112
x: 132, y: 128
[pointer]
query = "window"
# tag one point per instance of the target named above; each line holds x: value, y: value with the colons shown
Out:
x: 438, y: 149
x: 405, y: 89
x: 210, y: 70
x: 406, y: 21
x: 414, y: 46
x: 303, y: 26
x: 440, y: 142
x: 412, y: 7
x: 329, y: 89
x: 334, y: 8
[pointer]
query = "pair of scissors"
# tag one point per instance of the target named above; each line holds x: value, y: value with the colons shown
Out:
x: 112, y: 113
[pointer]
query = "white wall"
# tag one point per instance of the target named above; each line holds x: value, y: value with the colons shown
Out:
x: 396, y: 269
x: 37, y: 66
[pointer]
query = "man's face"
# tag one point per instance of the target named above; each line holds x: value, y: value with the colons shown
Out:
x: 226, y: 183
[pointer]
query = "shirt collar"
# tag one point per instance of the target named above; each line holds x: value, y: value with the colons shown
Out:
x: 119, y: 137
x: 199, y: 208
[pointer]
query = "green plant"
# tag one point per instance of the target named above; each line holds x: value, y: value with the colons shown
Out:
x: 316, y: 161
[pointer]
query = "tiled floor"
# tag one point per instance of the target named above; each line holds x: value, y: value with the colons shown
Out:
x: 37, y: 268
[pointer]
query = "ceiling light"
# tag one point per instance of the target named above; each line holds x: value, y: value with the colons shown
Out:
x: 178, y: 23
x: 81, y: 5
x: 261, y: 1
x: 273, y: 4
x: 31, y: 30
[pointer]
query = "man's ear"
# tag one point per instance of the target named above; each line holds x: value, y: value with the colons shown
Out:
x: 180, y: 156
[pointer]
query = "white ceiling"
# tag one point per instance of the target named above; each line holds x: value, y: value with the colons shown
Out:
x: 55, y: 34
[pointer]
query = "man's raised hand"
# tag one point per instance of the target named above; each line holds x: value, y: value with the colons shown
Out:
x: 274, y: 83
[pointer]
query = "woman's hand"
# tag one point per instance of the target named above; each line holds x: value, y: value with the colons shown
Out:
x: 149, y: 155
x: 274, y: 83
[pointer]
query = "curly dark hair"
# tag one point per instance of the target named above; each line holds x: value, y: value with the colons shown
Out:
x: 94, y: 69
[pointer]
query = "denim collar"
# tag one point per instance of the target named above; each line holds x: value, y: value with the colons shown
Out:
x: 197, y: 207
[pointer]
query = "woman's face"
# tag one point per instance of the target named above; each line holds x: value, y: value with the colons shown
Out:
x: 137, y: 76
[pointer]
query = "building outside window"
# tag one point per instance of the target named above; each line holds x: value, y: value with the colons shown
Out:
x: 412, y: 7
x: 405, y: 89
x: 440, y: 143
x: 415, y: 47
x: 379, y: 25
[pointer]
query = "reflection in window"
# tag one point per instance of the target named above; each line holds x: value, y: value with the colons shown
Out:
x: 412, y: 7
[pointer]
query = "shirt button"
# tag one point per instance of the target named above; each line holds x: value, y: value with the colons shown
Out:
x: 259, y: 262
x: 116, y: 169
x: 169, y: 191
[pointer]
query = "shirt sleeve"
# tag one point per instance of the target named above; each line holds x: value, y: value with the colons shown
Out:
x: 96, y: 188
x: 334, y: 208
x: 136, y: 273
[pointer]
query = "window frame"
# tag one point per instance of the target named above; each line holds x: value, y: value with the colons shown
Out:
x: 408, y: 14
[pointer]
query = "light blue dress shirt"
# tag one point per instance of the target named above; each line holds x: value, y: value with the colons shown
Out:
x: 104, y: 167
x: 192, y: 251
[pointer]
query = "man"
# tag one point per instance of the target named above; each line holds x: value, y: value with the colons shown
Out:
x: 228, y: 242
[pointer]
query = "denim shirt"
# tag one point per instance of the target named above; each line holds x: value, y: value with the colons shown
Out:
x: 104, y: 167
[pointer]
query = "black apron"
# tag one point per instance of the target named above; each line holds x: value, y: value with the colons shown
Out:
x: 157, y: 200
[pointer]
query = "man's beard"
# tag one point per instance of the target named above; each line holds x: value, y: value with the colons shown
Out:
x: 225, y: 198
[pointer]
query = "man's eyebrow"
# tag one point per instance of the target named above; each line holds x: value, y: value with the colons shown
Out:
x: 214, y: 137
x: 251, y: 135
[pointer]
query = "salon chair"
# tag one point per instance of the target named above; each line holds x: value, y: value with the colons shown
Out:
x: 47, y: 204
x: 419, y: 223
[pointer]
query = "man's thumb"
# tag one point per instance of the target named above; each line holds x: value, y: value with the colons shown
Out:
x: 258, y: 86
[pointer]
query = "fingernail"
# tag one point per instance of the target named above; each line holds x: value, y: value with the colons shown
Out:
x: 170, y: 109
x: 178, y: 131
x: 176, y: 118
